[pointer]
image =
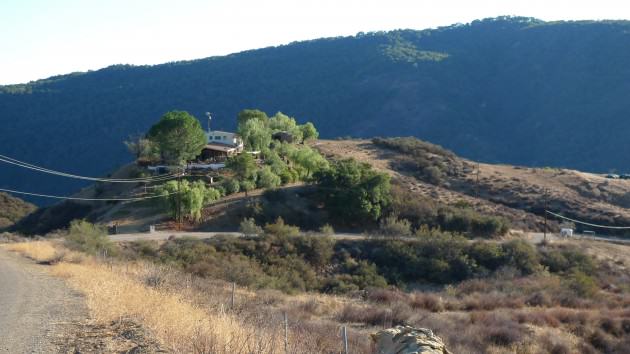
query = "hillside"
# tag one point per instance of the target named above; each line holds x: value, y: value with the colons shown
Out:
x: 13, y: 209
x: 511, y: 90
x: 514, y: 192
x: 456, y: 185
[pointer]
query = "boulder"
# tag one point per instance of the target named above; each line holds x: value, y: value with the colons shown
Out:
x: 408, y: 340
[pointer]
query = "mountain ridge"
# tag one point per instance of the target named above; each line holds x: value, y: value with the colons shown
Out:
x: 512, y: 90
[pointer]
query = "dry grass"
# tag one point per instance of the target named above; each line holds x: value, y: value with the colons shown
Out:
x: 114, y: 293
x: 494, y: 315
x: 39, y: 251
x: 191, y: 315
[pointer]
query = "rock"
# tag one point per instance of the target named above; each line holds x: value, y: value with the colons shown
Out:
x: 408, y: 340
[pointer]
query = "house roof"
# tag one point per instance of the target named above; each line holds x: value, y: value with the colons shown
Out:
x: 220, y: 132
x: 220, y: 147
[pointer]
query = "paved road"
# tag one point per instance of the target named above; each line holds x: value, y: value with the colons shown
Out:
x: 537, y: 237
x: 533, y: 237
x: 34, y: 307
x: 165, y: 235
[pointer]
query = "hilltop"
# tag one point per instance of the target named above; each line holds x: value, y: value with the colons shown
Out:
x: 510, y: 90
x: 430, y: 185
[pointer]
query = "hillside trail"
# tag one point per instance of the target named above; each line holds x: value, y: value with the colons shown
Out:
x: 36, y: 309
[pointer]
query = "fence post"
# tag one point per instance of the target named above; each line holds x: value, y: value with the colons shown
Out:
x: 286, y: 333
x: 344, y: 337
x: 232, y: 298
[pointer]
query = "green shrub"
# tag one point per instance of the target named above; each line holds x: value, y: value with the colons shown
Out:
x: 488, y: 255
x: 357, y: 275
x: 565, y: 259
x: 249, y: 228
x: 316, y: 250
x: 231, y: 186
x: 393, y: 226
x: 90, y: 238
x: 522, y: 256
x: 267, y: 179
x: 459, y: 218
x: 247, y: 185
x: 279, y: 228
x: 582, y: 284
x: 327, y: 230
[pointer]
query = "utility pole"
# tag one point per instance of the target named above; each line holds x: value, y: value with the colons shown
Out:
x: 179, y: 201
x: 545, y: 211
x: 209, y: 120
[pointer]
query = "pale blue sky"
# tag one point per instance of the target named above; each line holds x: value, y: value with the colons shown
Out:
x: 41, y: 38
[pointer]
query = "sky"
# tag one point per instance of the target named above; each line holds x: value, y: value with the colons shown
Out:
x: 42, y: 38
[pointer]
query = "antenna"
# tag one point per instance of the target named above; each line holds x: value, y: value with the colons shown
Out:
x: 209, y: 119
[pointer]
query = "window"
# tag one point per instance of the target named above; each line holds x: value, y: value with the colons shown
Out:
x: 217, y: 137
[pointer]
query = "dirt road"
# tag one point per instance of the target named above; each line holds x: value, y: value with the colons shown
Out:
x: 34, y: 307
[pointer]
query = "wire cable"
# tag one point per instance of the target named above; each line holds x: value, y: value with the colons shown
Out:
x: 22, y: 164
x: 9, y: 160
x: 85, y: 199
x: 589, y: 224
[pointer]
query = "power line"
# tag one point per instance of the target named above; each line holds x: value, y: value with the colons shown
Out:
x: 22, y: 164
x: 19, y: 163
x: 589, y: 224
x: 85, y: 199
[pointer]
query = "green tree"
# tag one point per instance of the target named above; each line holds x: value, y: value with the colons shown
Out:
x: 252, y: 114
x: 190, y: 197
x: 309, y: 160
x: 143, y: 149
x: 353, y: 191
x: 231, y: 186
x: 256, y: 135
x: 179, y: 137
x: 267, y: 179
x: 243, y: 166
x: 247, y: 186
x: 280, y: 122
x: 309, y: 132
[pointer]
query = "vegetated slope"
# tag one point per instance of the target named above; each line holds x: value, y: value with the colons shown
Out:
x: 13, y: 209
x: 517, y: 193
x: 58, y: 216
x: 513, y: 90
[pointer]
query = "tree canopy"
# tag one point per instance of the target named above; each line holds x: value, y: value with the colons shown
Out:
x: 179, y: 137
x: 243, y: 166
x: 353, y: 191
x: 193, y: 196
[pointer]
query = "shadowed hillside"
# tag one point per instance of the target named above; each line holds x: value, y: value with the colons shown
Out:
x: 12, y: 210
x: 512, y: 90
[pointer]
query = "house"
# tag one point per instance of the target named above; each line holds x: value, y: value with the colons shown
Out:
x: 224, y: 138
x: 221, y: 145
